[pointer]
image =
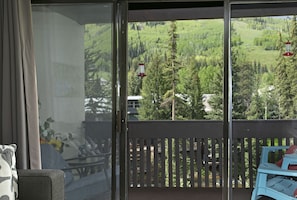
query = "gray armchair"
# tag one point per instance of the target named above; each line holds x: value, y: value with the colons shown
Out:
x: 46, y: 184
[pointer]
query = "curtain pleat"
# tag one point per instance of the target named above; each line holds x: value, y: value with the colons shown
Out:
x: 19, y: 106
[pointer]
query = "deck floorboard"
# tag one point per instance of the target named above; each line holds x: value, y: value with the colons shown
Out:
x: 186, y: 194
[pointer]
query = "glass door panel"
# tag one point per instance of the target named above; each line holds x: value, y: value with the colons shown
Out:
x: 263, y: 53
x: 75, y: 72
x: 175, y: 108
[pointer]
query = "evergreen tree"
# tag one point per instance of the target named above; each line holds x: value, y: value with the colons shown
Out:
x: 243, y: 79
x: 195, y: 96
x: 206, y: 75
x: 286, y: 77
x: 191, y: 91
x: 152, y: 91
x: 256, y: 109
x: 171, y: 72
x: 271, y: 102
x: 97, y: 74
x: 292, y: 70
x: 134, y: 82
x: 216, y: 100
x: 283, y: 84
x: 243, y: 84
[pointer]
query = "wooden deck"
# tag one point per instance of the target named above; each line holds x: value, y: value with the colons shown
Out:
x: 186, y: 194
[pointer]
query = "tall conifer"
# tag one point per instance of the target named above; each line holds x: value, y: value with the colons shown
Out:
x: 293, y: 68
x: 152, y: 91
x: 171, y: 71
x: 283, y: 83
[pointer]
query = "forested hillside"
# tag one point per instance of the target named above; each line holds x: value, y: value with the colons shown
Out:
x: 203, y: 40
x: 184, y: 61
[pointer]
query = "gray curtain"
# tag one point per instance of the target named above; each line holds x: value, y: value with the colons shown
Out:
x: 18, y: 85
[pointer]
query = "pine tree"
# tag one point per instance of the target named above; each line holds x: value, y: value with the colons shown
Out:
x: 272, y: 103
x: 152, y: 91
x: 286, y: 76
x: 243, y: 78
x: 256, y: 109
x: 283, y: 84
x: 292, y: 70
x: 191, y: 91
x: 134, y: 83
x: 243, y: 84
x: 197, y: 111
x: 216, y: 100
x: 171, y: 71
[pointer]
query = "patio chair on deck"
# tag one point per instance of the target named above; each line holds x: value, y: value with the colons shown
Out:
x: 81, y: 181
x: 277, y: 181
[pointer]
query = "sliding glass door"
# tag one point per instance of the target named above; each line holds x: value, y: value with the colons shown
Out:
x: 263, y: 65
x: 241, y: 57
x: 75, y: 51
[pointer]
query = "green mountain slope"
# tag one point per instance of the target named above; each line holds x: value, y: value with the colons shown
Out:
x: 253, y: 52
x: 205, y: 38
x: 199, y: 39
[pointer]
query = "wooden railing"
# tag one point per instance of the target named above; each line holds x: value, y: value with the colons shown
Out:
x: 190, y: 153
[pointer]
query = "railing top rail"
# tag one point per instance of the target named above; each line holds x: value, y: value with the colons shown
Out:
x: 212, y: 129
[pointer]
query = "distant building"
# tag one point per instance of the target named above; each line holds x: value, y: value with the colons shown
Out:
x: 205, y: 101
x: 133, y: 105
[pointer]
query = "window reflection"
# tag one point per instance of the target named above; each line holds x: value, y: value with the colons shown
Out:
x: 73, y: 45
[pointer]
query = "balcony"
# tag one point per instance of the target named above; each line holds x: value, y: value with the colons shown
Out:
x: 183, y: 159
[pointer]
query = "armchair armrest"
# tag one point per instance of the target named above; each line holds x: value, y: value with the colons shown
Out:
x: 270, y: 168
x: 289, y: 159
x: 46, y: 184
x: 267, y: 149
